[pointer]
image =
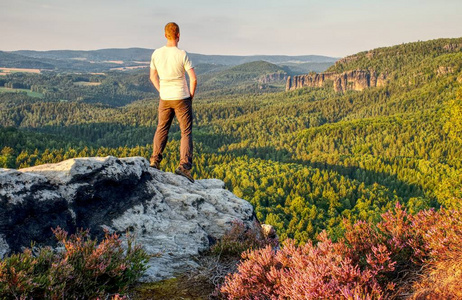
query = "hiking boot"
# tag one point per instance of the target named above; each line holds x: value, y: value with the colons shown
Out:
x: 155, y: 165
x: 185, y: 173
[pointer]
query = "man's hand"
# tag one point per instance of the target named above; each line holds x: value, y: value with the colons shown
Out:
x: 192, y: 82
x: 154, y: 76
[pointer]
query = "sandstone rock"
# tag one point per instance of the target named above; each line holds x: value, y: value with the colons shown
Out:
x: 269, y: 232
x: 273, y: 78
x: 168, y: 214
x: 452, y: 47
x: 347, y: 59
x: 381, y: 80
x: 356, y: 80
x: 289, y: 83
x: 370, y: 54
x: 443, y: 70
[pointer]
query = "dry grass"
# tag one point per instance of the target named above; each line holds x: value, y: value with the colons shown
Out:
x: 85, y: 83
x: 441, y: 279
x: 118, y: 62
x: 171, y: 289
x: 200, y: 283
x: 15, y: 70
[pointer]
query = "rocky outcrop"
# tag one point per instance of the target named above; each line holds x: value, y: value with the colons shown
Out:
x: 356, y: 80
x: 168, y: 214
x: 443, y: 70
x: 274, y: 77
x: 453, y: 47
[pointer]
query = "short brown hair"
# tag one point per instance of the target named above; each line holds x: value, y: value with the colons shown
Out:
x: 172, y: 30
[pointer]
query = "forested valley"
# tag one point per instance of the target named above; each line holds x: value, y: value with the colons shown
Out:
x: 307, y: 159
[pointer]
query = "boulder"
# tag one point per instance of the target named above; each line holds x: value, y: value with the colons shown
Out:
x: 167, y: 214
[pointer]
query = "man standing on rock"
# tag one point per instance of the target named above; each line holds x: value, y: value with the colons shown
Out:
x: 168, y: 67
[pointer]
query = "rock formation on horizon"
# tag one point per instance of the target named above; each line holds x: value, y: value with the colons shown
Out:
x: 273, y: 77
x: 356, y: 80
x: 168, y: 214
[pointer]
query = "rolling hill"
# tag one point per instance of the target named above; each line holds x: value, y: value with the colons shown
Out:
x: 12, y: 60
x: 105, y: 59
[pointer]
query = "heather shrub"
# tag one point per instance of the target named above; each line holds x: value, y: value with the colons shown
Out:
x: 83, y: 269
x: 412, y: 239
x: 300, y: 272
x: 371, y: 261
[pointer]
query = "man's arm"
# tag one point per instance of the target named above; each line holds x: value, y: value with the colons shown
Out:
x: 154, y: 76
x: 192, y: 82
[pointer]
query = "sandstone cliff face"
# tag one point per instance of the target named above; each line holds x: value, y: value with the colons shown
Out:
x: 452, y: 47
x: 274, y: 77
x: 356, y: 80
x: 443, y: 70
x: 168, y: 214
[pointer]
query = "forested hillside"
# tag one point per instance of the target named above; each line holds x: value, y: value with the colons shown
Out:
x: 116, y: 88
x: 104, y: 60
x: 306, y: 159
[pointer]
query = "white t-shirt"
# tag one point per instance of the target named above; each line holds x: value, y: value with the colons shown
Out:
x: 171, y: 64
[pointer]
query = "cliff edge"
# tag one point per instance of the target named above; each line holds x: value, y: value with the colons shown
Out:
x: 168, y: 215
x: 356, y: 80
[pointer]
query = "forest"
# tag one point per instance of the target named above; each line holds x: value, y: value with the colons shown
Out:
x: 307, y: 159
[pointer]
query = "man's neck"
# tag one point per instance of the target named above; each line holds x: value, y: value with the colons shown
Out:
x: 172, y: 43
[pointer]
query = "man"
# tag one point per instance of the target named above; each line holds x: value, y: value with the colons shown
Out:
x: 168, y: 67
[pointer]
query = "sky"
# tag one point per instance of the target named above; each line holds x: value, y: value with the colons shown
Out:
x: 237, y: 27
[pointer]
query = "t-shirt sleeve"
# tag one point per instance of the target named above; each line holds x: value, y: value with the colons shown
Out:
x: 153, y: 65
x: 187, y: 62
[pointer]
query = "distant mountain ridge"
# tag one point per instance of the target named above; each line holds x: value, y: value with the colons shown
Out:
x: 15, y: 60
x: 103, y: 59
x: 12, y: 60
x: 144, y: 54
x: 129, y: 54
